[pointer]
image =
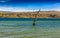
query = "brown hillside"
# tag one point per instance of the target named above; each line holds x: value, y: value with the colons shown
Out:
x: 42, y: 14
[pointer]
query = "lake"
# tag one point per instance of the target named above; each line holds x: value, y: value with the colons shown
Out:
x: 23, y: 28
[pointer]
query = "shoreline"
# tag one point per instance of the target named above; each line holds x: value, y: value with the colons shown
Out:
x: 29, y: 19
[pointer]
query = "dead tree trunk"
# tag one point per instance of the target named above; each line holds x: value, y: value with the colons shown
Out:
x: 35, y: 18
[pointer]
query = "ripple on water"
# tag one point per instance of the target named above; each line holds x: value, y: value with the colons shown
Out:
x: 25, y: 29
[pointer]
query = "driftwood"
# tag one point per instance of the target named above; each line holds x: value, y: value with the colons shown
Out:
x: 35, y: 18
x: 52, y: 15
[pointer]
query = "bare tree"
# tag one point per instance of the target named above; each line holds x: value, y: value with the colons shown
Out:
x: 35, y: 17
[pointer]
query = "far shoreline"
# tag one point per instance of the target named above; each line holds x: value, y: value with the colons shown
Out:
x: 29, y: 19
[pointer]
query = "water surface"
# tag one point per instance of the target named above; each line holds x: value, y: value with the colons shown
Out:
x: 25, y: 29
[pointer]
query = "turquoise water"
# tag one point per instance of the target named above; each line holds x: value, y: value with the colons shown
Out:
x: 25, y: 29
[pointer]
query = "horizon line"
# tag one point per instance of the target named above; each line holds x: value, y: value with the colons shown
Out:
x: 32, y: 11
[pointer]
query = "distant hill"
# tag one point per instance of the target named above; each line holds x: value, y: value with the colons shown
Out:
x: 42, y: 14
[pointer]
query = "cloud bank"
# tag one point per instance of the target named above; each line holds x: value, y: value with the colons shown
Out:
x: 51, y: 7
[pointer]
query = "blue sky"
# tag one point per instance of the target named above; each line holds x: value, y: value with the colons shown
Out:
x: 29, y: 5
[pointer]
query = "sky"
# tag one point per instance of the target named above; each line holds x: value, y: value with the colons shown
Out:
x: 29, y: 5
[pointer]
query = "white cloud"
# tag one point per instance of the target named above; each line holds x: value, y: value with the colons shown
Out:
x: 3, y: 1
x: 53, y: 7
x: 12, y: 9
x: 25, y: 10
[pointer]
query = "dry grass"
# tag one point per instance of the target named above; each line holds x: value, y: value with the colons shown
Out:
x: 42, y: 14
